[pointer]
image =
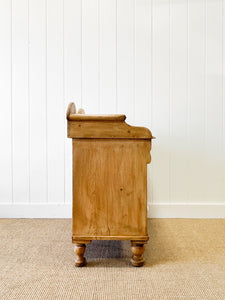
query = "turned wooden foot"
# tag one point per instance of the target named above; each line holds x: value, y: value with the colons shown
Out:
x: 79, y: 250
x: 137, y: 249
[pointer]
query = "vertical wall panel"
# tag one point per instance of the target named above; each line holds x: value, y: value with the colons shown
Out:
x: 142, y: 72
x: 125, y: 57
x: 179, y: 101
x: 107, y: 56
x: 196, y: 99
x: 90, y: 55
x: 223, y: 95
x: 213, y: 101
x: 161, y: 62
x: 20, y: 101
x: 72, y: 51
x: 37, y: 100
x: 149, y: 91
x: 161, y: 100
x: 142, y: 48
x: 72, y: 76
x: 55, y: 101
x: 5, y: 100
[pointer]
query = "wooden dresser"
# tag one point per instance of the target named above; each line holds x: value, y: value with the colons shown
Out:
x: 109, y: 181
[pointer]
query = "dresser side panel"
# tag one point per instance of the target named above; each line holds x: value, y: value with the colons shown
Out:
x: 109, y: 187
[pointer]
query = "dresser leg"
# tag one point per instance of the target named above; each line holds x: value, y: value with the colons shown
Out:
x: 137, y: 249
x: 79, y: 250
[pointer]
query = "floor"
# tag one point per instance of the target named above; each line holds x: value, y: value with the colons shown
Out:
x: 185, y: 259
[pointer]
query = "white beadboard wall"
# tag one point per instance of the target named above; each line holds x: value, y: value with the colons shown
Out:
x: 161, y: 62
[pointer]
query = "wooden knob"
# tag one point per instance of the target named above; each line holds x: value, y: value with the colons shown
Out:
x: 70, y: 110
x: 81, y: 111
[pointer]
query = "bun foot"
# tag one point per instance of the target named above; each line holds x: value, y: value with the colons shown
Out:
x: 79, y: 250
x: 137, y: 249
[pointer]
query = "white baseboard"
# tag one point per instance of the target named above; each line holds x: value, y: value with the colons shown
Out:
x: 36, y: 210
x: 155, y: 210
x: 184, y: 210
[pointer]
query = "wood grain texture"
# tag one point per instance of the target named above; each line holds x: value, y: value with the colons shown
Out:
x: 80, y: 116
x: 94, y: 129
x: 87, y: 239
x: 110, y: 187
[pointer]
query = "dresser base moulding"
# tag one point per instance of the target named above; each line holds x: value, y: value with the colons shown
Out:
x: 87, y: 239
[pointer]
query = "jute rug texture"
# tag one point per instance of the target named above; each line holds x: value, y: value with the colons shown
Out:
x: 185, y: 259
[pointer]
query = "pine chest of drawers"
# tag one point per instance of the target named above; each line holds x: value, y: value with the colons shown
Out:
x: 109, y: 181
